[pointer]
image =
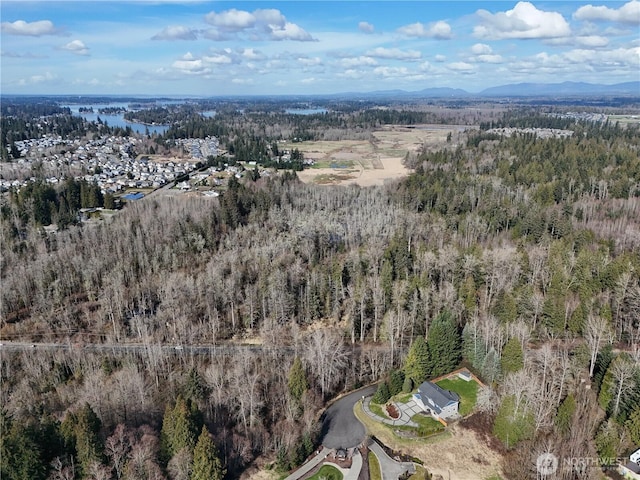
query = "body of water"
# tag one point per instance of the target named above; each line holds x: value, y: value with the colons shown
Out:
x: 115, y: 120
x: 305, y: 111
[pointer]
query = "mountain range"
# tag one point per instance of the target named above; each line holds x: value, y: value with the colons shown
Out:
x: 563, y: 89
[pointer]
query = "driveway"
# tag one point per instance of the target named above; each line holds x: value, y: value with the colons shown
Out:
x: 390, y: 469
x: 340, y: 427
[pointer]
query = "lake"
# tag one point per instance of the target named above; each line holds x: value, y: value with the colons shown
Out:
x: 305, y: 111
x: 114, y: 120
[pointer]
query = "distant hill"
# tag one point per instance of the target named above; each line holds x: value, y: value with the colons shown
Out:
x: 442, y: 92
x: 564, y: 89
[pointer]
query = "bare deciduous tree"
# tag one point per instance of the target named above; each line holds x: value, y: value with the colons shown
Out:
x: 597, y: 332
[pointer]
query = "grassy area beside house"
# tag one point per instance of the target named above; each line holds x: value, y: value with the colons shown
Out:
x: 428, y: 425
x: 468, y: 392
x: 327, y: 472
x: 403, y: 397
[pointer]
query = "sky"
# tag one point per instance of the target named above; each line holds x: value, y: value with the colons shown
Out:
x: 199, y: 48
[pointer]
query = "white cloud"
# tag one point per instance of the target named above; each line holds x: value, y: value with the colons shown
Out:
x: 365, y: 27
x: 628, y: 13
x: 351, y: 73
x: 440, y: 30
x: 217, y: 59
x: 308, y: 81
x: 360, y: 61
x: 31, y: 29
x: 242, y: 81
x: 35, y: 79
x: 76, y: 47
x: 589, y: 41
x: 394, y: 54
x: 175, y: 32
x: 484, y: 54
x: 461, y: 67
x: 620, y: 60
x: 440, y: 58
x: 390, y: 72
x: 233, y: 20
x: 261, y: 24
x: 523, y: 21
x: 489, y: 58
x: 8, y: 54
x: 310, y: 62
x: 481, y: 49
x: 252, y: 54
x: 290, y: 31
x: 191, y: 66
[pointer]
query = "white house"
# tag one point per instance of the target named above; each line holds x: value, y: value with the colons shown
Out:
x: 435, y: 400
x: 632, y: 469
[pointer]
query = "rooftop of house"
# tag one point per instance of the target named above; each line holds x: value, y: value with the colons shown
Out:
x: 439, y: 396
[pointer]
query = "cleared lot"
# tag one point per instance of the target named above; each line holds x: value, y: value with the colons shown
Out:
x: 370, y: 162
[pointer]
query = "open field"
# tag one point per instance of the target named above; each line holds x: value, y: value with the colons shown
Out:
x: 625, y: 119
x: 369, y: 162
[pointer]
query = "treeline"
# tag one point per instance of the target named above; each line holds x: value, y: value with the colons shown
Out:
x: 163, y: 115
x: 40, y: 204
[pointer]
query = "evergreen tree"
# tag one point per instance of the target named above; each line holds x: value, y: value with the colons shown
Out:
x: 633, y: 425
x: 473, y: 348
x: 417, y: 365
x: 396, y: 380
x: 179, y: 428
x: 407, y: 385
x: 195, y: 388
x: 298, y: 383
x: 89, y: 446
x: 444, y: 344
x: 512, y: 356
x: 382, y: 393
x: 206, y: 460
x: 565, y: 414
x: 20, y: 452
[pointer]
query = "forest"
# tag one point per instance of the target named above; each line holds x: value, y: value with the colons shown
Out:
x: 521, y: 253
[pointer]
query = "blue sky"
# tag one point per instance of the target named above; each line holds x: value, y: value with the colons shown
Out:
x: 304, y: 47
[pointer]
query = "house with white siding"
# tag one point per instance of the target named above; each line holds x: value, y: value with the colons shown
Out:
x: 436, y: 401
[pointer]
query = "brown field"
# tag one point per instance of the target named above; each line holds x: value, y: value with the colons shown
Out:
x: 369, y: 162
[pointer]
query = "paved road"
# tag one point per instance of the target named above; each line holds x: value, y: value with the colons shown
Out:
x: 340, y: 427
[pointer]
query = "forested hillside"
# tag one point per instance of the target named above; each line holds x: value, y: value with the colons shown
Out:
x: 529, y: 245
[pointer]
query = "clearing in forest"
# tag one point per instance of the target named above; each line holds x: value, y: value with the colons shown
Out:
x: 373, y: 161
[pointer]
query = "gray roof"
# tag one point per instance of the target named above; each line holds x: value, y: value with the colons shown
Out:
x: 634, y: 467
x: 439, y: 397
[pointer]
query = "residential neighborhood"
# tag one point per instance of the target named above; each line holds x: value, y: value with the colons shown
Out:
x: 111, y: 162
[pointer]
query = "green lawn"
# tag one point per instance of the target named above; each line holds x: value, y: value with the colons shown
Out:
x: 374, y: 467
x: 468, y: 392
x: 427, y: 425
x: 327, y: 472
x: 378, y: 409
x: 403, y: 397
